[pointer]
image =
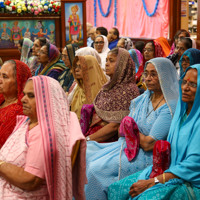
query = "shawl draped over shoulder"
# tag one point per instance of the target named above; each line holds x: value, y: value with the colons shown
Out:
x: 9, y: 113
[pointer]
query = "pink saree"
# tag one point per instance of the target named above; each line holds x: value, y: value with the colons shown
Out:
x: 60, y: 132
x: 57, y: 133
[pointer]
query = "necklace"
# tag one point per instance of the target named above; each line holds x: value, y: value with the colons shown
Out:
x: 154, y: 108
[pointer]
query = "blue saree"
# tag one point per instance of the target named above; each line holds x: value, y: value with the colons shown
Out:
x: 106, y: 162
x: 184, y: 138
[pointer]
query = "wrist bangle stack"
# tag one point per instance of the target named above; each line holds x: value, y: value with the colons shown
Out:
x: 163, y: 178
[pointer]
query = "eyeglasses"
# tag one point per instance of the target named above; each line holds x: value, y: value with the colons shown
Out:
x: 148, y: 50
x: 153, y: 75
x: 99, y: 43
x: 190, y: 84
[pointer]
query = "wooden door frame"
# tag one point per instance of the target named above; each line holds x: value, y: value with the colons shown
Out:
x: 174, y: 18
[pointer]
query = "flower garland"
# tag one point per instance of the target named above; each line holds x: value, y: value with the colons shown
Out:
x: 105, y: 14
x: 34, y: 7
x: 154, y: 11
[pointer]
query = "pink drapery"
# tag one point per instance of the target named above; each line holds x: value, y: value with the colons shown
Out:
x: 132, y: 21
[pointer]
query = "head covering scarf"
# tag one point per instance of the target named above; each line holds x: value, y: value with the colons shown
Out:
x: 54, y: 62
x: 26, y: 47
x: 9, y: 113
x: 137, y: 58
x: 104, y: 52
x: 185, y: 159
x: 60, y: 131
x: 84, y: 51
x: 193, y: 55
x: 66, y: 78
x: 165, y: 45
x: 128, y: 44
x: 89, y: 86
x: 158, y: 52
x: 71, y: 49
x: 113, y: 101
x: 167, y: 78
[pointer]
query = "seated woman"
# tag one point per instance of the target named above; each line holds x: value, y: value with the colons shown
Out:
x: 182, y: 179
x: 37, y: 45
x: 101, y: 46
x: 182, y: 45
x: 125, y: 43
x: 24, y: 47
x: 66, y: 79
x: 149, y: 120
x: 13, y: 76
x: 50, y: 63
x: 90, y: 79
x: 189, y: 57
x: 151, y: 50
x: 179, y: 34
x: 137, y: 58
x: 85, y: 51
x: 36, y: 159
x: 101, y: 120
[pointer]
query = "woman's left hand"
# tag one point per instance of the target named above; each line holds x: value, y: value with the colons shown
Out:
x: 140, y: 187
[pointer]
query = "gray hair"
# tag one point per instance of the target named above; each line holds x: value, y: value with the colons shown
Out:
x: 13, y: 65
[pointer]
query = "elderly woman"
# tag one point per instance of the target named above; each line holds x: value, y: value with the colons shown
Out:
x: 189, y: 57
x: 33, y: 60
x: 101, y: 46
x: 13, y: 76
x: 111, y: 104
x: 66, y: 79
x: 182, y: 179
x: 149, y: 120
x: 36, y: 161
x: 50, y: 63
x: 90, y: 79
x: 125, y: 43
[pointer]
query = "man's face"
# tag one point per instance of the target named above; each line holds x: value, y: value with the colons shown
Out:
x: 111, y: 37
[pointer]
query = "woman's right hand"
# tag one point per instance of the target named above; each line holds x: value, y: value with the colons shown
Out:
x: 140, y: 186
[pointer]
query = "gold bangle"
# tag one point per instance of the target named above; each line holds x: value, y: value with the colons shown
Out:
x: 163, y: 177
x: 2, y: 162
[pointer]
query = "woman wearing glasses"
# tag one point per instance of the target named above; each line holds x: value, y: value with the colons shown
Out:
x: 89, y: 78
x: 50, y: 63
x: 101, y: 46
x: 189, y: 57
x: 148, y: 121
x: 181, y: 180
x: 151, y: 50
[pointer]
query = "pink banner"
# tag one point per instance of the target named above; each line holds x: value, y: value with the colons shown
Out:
x: 132, y: 20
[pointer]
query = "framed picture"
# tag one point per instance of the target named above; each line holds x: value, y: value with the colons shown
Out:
x: 11, y: 31
x: 73, y: 17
